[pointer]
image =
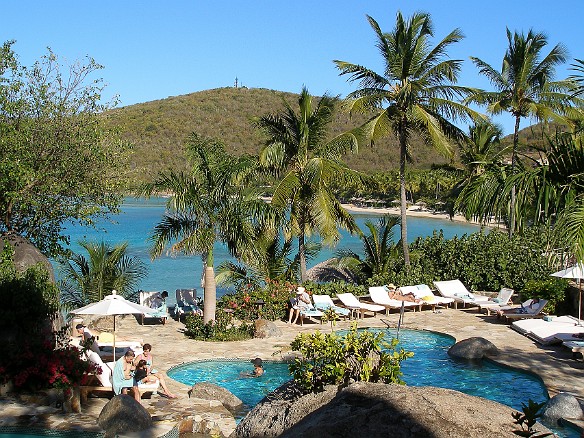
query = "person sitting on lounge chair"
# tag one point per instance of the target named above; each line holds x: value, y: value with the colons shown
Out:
x: 89, y: 339
x: 299, y: 303
x: 531, y: 308
x: 123, y: 376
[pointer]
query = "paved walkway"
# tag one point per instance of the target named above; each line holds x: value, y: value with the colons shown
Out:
x: 171, y: 347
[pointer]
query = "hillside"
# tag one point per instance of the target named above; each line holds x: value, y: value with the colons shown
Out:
x: 158, y: 129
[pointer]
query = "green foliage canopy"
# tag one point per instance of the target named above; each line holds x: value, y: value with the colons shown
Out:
x: 58, y: 162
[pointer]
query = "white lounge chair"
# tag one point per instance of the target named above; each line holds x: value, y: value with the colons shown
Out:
x: 456, y: 290
x: 149, y: 299
x: 502, y: 299
x: 424, y: 293
x: 186, y: 302
x: 546, y: 332
x: 309, y: 312
x: 532, y: 310
x: 354, y: 305
x: 325, y: 302
x: 379, y: 295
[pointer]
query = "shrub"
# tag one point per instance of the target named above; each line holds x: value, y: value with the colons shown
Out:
x: 552, y: 289
x: 274, y: 296
x: 330, y: 359
x: 334, y: 288
x: 223, y: 328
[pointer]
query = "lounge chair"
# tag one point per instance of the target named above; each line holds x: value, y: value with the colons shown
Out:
x: 186, y: 302
x: 103, y: 382
x: 502, y: 299
x: 379, y: 295
x: 533, y: 310
x: 309, y: 312
x: 546, y: 332
x: 456, y: 290
x: 149, y: 299
x: 424, y: 293
x: 355, y: 306
x: 325, y: 302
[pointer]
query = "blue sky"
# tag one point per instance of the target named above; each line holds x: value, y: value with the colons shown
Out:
x: 155, y: 49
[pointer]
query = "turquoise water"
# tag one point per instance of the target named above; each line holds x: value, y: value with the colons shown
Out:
x: 430, y: 366
x: 139, y: 216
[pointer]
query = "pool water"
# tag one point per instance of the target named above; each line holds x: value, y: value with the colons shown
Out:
x: 430, y: 366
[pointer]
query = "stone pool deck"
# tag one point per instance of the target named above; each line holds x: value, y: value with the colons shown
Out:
x: 554, y: 364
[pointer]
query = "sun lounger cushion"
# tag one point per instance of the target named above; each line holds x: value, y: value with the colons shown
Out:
x: 349, y: 300
x: 324, y: 302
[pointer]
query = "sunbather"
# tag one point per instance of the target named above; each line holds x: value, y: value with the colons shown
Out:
x: 123, y: 376
x: 152, y: 374
x: 398, y: 295
x: 89, y: 339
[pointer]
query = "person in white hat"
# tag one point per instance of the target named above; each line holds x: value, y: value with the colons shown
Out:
x: 300, y: 302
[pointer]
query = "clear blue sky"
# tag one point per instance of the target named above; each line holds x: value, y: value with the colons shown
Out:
x: 155, y: 49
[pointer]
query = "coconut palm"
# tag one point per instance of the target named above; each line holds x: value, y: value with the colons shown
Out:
x: 205, y: 206
x: 297, y: 149
x: 413, y: 94
x: 379, y: 250
x: 89, y: 279
x: 525, y: 87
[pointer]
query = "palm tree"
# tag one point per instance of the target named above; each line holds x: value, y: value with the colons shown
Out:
x: 413, y: 94
x: 379, y: 250
x: 297, y: 148
x: 525, y: 88
x: 87, y: 280
x: 205, y: 206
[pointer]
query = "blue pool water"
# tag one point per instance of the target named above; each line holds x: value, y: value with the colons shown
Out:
x: 430, y: 366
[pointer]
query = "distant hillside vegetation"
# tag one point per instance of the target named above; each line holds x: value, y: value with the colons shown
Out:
x: 158, y: 130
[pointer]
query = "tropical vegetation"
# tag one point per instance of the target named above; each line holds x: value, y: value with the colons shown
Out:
x: 59, y: 163
x: 298, y: 153
x: 413, y: 94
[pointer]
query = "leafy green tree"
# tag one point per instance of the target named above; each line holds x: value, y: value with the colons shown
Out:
x: 413, y: 94
x: 378, y: 247
x: 207, y: 205
x: 297, y: 148
x: 525, y: 87
x: 58, y: 163
x: 87, y: 279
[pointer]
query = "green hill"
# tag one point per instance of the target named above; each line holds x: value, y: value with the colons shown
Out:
x: 158, y: 129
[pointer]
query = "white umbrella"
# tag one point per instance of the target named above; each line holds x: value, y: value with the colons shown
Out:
x: 575, y: 272
x: 114, y: 305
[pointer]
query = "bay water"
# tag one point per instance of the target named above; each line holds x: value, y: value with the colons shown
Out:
x: 135, y: 224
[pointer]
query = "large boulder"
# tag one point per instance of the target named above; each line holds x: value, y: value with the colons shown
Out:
x: 266, y: 329
x: 562, y: 405
x: 26, y: 254
x: 473, y: 348
x: 378, y: 410
x: 209, y: 391
x: 122, y: 414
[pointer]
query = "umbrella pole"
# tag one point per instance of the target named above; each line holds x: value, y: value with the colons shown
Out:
x: 114, y: 338
x: 580, y: 302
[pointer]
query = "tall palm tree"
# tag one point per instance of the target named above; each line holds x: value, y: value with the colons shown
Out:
x: 298, y: 150
x: 413, y: 94
x: 89, y: 279
x: 379, y: 249
x: 525, y: 88
x: 205, y: 206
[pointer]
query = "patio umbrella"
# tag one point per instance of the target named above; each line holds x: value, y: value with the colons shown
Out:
x: 575, y: 272
x: 114, y: 305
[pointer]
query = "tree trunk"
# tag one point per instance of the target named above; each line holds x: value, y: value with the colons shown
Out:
x: 302, y: 257
x: 403, y: 200
x: 210, y: 290
x: 513, y: 160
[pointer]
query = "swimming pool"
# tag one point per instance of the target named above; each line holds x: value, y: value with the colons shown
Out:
x: 430, y: 366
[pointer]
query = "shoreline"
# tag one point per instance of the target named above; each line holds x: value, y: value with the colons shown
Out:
x: 418, y: 213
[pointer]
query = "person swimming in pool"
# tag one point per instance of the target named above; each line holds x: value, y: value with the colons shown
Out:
x: 258, y: 369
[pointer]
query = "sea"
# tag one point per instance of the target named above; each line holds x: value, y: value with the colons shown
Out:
x: 139, y: 216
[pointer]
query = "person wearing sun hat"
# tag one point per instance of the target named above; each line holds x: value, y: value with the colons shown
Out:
x: 89, y: 338
x: 300, y: 302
